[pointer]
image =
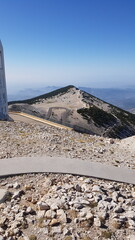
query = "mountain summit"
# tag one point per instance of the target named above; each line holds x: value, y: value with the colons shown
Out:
x: 80, y: 110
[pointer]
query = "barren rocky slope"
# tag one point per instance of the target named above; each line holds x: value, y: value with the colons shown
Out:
x: 25, y: 139
x: 54, y: 206
x: 80, y: 110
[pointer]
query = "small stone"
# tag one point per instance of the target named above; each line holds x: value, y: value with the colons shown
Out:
x: 4, y: 183
x: 96, y: 188
x: 29, y: 198
x: 40, y: 214
x: 2, y: 231
x: 16, y: 185
x: 56, y: 230
x: 54, y: 222
x: 4, y: 195
x: 97, y: 198
x: 88, y: 180
x: 133, y: 203
x: 17, y: 194
x: 16, y: 231
x: 108, y: 199
x: 111, y: 141
x: 89, y: 216
x: 101, y: 151
x: 29, y: 210
x: 85, y: 223
x: 50, y: 214
x: 78, y: 206
x: 47, y: 183
x: 103, y: 205
x: 78, y: 188
x: 10, y: 185
x: 62, y: 216
x: 34, y: 200
x: 131, y: 224
x: 123, y: 218
x: 97, y: 222
x: 54, y: 206
x: 43, y: 206
x: 133, y: 194
x: 28, y: 187
x: 82, y: 214
x: 67, y: 232
x: 119, y: 210
x: 103, y: 215
x: 3, y: 221
x: 76, y: 220
x: 115, y: 196
x: 116, y: 224
x: 121, y: 199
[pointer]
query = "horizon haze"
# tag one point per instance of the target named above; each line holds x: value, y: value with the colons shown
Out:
x: 85, y: 43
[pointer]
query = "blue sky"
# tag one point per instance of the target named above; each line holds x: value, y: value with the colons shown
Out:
x: 87, y: 43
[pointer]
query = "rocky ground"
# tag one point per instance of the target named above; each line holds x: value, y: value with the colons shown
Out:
x: 24, y: 139
x: 66, y: 207
x: 54, y: 206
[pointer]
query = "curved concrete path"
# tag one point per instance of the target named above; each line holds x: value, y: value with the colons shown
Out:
x: 13, y: 166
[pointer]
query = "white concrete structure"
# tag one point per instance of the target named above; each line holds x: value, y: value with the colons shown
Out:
x: 3, y: 91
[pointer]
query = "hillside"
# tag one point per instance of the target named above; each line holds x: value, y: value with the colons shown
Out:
x: 80, y: 110
x: 121, y: 97
x: 132, y: 110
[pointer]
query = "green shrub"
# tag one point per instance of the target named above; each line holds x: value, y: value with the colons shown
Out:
x: 99, y: 116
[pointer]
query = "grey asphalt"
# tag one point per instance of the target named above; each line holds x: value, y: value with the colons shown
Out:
x: 21, y: 165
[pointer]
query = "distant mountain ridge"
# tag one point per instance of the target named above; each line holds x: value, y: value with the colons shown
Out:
x: 80, y: 110
x: 123, y: 98
x: 30, y: 93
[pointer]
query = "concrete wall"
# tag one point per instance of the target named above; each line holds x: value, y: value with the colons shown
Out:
x: 3, y: 91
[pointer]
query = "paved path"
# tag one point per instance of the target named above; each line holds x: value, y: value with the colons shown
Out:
x: 13, y: 166
x: 41, y: 120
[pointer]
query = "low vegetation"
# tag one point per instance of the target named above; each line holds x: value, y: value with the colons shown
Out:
x: 99, y: 116
x: 124, y: 116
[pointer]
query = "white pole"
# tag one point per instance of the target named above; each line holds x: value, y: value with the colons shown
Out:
x: 3, y: 90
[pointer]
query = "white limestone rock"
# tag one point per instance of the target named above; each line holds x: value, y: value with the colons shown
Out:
x: 62, y: 216
x: 56, y: 230
x: 50, y: 214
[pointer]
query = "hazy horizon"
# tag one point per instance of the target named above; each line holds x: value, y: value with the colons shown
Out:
x: 88, y: 43
x: 14, y: 90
